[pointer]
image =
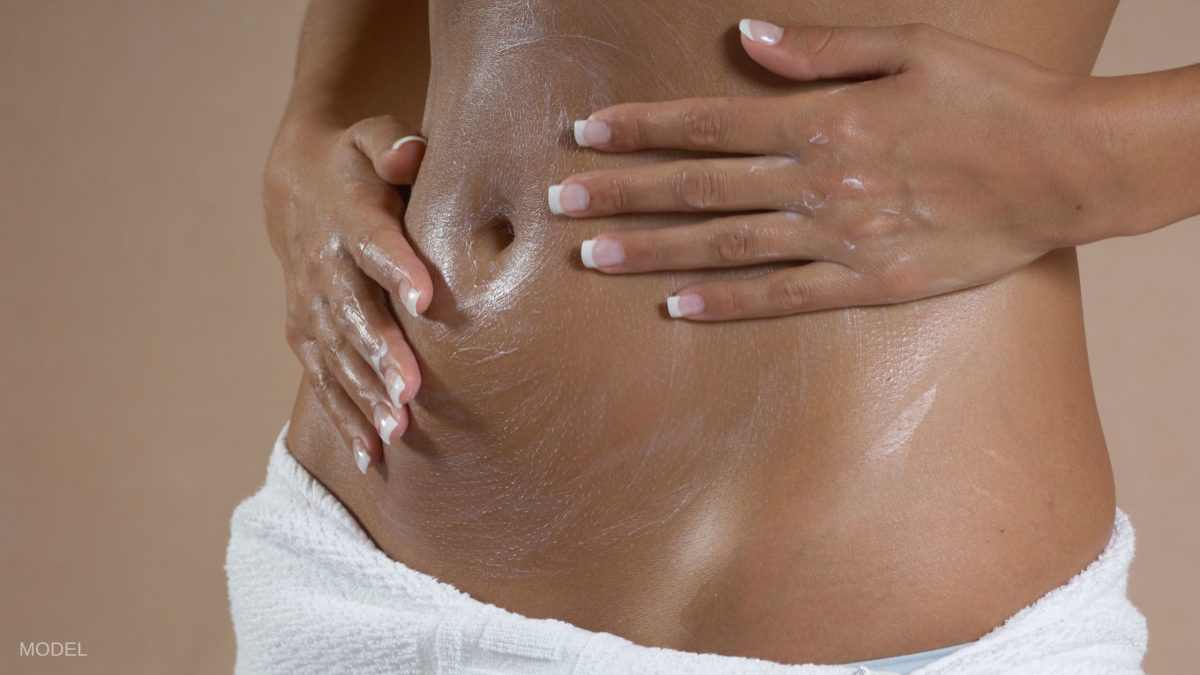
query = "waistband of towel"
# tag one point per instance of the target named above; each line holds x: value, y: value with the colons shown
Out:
x: 1090, y: 608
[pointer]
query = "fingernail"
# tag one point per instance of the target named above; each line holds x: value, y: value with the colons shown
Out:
x: 679, y: 306
x: 385, y: 423
x: 408, y: 297
x: 361, y: 457
x: 590, y: 133
x: 760, y: 31
x: 395, y: 386
x: 568, y: 198
x: 407, y: 139
x: 601, y: 253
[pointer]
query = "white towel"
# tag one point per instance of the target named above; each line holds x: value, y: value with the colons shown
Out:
x: 311, y: 593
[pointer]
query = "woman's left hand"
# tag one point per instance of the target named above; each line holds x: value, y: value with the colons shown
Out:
x: 950, y: 166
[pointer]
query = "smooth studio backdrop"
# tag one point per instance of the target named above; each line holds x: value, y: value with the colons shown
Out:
x: 145, y: 374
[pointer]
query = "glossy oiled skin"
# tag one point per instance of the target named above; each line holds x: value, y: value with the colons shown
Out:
x: 826, y: 487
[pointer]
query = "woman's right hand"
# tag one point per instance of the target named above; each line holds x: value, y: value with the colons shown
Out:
x: 334, y: 216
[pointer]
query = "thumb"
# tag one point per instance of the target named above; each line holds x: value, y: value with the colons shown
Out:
x: 395, y: 148
x: 832, y: 52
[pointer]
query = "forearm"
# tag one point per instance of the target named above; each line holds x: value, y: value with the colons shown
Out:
x: 1151, y: 138
x: 361, y: 58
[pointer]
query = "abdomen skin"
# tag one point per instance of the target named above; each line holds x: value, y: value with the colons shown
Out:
x: 828, y: 487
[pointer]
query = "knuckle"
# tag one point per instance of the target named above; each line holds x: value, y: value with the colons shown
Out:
x: 790, y: 295
x: 328, y: 390
x: 368, y: 243
x: 639, y: 132
x: 297, y: 339
x: 312, y: 262
x: 878, y: 230
x: 849, y: 126
x: 375, y: 196
x: 655, y: 252
x: 389, y: 119
x: 346, y: 314
x: 366, y: 125
x: 364, y: 242
x: 814, y: 40
x: 897, y: 280
x: 918, y: 33
x: 733, y: 303
x: 705, y: 125
x: 333, y: 345
x: 732, y: 245
x: 614, y: 192
x: 699, y: 189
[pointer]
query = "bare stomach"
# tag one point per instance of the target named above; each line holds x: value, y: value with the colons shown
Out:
x: 828, y: 487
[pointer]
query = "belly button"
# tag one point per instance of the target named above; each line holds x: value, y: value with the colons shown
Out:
x: 493, y: 238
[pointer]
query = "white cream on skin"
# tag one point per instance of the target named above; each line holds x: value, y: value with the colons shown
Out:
x: 376, y: 358
x: 905, y: 425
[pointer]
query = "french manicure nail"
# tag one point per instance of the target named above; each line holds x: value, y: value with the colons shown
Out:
x: 601, y: 253
x: 679, y: 306
x: 408, y: 139
x: 385, y: 423
x: 590, y: 133
x: 395, y: 386
x: 411, y: 296
x: 760, y: 31
x: 568, y: 198
x: 361, y: 457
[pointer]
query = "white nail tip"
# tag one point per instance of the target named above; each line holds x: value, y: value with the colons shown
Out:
x: 406, y: 139
x: 410, y: 301
x: 554, y: 198
x: 580, y: 125
x: 585, y: 253
x: 362, y: 459
x: 673, y: 307
x: 744, y: 27
x: 387, y: 424
x: 395, y: 389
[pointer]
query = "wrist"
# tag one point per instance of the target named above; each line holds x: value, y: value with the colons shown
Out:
x: 1102, y: 185
x: 1118, y: 181
x: 1144, y: 128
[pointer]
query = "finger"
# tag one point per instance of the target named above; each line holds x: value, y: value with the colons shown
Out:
x: 359, y: 381
x: 742, y: 184
x: 386, y: 256
x: 828, y: 52
x: 356, y: 431
x: 724, y: 242
x: 360, y: 314
x: 753, y: 126
x: 806, y: 288
x: 394, y: 147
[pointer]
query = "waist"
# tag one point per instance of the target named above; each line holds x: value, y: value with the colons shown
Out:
x: 722, y: 488
x: 726, y: 491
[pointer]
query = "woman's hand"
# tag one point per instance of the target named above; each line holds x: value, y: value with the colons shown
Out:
x: 952, y: 165
x: 334, y: 216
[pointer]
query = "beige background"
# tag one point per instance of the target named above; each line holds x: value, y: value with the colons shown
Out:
x: 144, y: 366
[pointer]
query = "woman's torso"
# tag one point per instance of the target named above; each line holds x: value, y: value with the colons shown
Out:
x: 828, y: 487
